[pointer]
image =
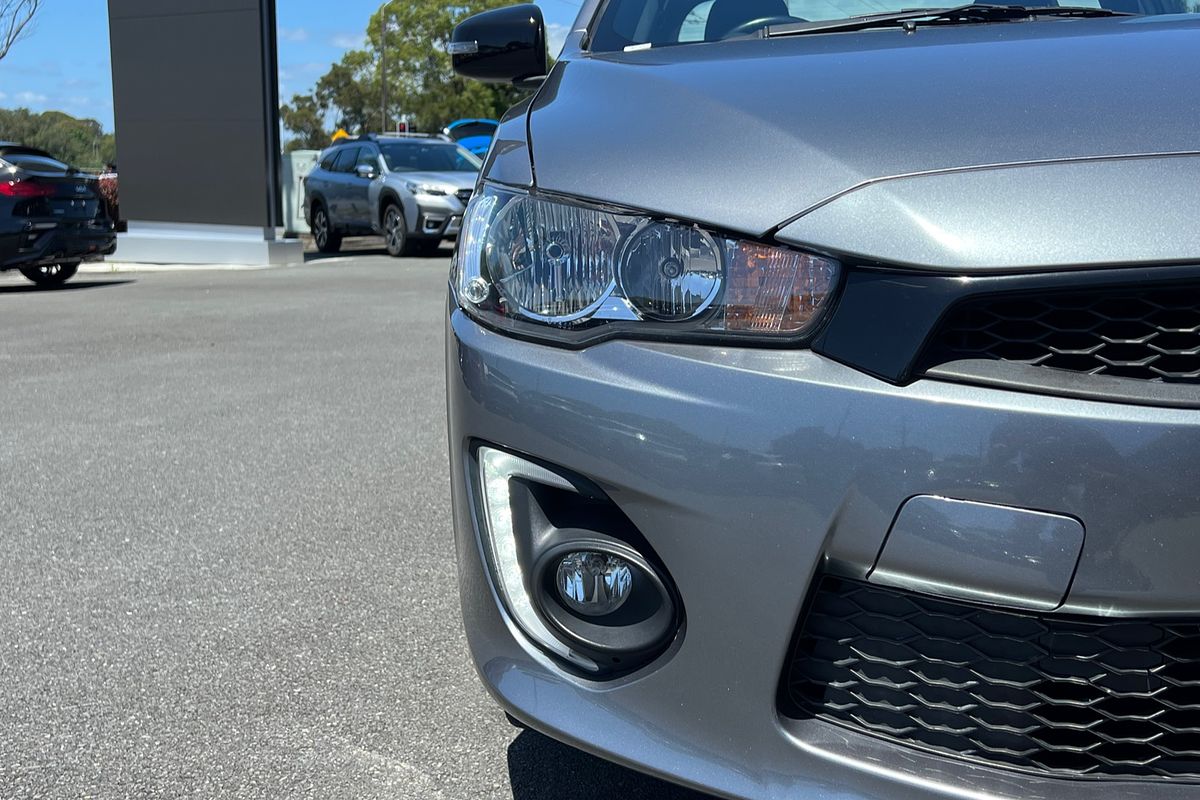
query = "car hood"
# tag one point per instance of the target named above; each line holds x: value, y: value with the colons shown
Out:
x: 751, y: 135
x: 459, y: 180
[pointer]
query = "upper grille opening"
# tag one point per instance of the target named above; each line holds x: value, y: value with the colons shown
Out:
x: 1055, y: 695
x: 1136, y: 333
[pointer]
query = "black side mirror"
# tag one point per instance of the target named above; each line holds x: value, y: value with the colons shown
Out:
x: 507, y: 45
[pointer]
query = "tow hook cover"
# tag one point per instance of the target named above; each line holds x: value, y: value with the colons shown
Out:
x: 987, y: 553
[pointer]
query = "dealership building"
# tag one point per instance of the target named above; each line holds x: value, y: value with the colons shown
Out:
x: 196, y: 100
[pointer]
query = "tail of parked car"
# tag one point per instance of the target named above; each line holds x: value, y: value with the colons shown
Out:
x: 52, y: 216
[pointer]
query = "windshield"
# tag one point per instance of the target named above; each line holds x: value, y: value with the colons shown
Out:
x: 428, y: 157
x: 633, y: 23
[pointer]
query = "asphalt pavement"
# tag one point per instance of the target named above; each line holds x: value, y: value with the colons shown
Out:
x: 226, y: 567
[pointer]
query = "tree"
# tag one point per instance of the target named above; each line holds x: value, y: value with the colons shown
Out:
x: 306, y: 118
x: 15, y: 16
x: 421, y: 84
x: 350, y: 88
x: 79, y: 142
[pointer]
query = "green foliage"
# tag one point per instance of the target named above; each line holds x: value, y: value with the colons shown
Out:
x: 420, y: 82
x: 351, y: 87
x: 418, y: 67
x: 304, y: 117
x: 79, y: 142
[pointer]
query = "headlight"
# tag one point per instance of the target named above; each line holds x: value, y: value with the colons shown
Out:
x: 590, y: 271
x: 426, y: 188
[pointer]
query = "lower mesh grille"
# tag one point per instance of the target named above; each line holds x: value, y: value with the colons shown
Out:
x: 1062, y: 696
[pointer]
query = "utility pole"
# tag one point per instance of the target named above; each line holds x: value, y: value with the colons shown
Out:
x: 384, y: 27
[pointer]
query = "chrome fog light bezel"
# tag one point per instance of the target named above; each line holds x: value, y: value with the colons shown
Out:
x: 521, y: 547
x: 497, y: 469
x: 638, y: 630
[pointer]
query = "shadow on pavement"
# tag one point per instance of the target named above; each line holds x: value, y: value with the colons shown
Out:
x: 353, y: 246
x: 539, y: 768
x: 69, y: 286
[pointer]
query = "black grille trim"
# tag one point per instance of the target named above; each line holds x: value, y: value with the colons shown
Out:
x: 464, y: 195
x: 1137, y: 333
x: 1058, y: 696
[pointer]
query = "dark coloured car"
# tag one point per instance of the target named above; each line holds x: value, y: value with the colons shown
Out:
x: 411, y: 189
x: 52, y: 217
x: 824, y: 395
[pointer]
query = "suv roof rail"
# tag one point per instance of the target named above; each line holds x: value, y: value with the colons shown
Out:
x: 399, y: 135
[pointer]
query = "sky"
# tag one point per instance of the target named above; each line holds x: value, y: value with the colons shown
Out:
x: 63, y: 65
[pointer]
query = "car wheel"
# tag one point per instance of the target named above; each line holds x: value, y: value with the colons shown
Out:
x: 51, y: 274
x: 395, y: 233
x: 326, y: 240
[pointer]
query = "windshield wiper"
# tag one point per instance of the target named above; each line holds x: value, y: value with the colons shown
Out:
x: 970, y: 13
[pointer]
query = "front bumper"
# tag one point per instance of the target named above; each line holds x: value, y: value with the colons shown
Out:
x: 436, y: 217
x: 752, y: 471
x: 437, y: 225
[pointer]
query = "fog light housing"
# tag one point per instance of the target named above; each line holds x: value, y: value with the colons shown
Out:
x: 593, y: 584
x: 572, y: 571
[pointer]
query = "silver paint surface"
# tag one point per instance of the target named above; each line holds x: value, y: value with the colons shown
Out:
x: 981, y: 552
x: 746, y: 135
x: 1075, y: 213
x: 761, y: 467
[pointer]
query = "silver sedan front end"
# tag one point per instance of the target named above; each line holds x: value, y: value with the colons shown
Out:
x: 927, y: 564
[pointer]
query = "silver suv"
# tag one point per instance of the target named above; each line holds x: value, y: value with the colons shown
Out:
x: 412, y: 190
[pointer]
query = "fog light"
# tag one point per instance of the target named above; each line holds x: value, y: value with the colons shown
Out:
x: 594, y: 597
x: 594, y: 584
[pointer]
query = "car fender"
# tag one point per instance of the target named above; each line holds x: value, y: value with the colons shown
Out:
x: 388, y: 193
x: 310, y: 197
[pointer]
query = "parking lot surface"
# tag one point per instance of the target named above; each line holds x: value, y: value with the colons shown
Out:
x: 226, y: 568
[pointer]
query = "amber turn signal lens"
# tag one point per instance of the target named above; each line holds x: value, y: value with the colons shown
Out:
x: 771, y: 290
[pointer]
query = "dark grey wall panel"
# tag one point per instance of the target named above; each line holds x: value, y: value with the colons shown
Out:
x: 196, y: 107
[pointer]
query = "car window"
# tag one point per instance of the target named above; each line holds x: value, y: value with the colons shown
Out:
x: 692, y: 28
x: 36, y: 163
x: 429, y: 157
x: 346, y: 159
x: 327, y: 161
x: 368, y: 156
x: 630, y: 23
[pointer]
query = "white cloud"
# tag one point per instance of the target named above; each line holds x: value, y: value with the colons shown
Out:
x: 293, y: 34
x: 347, y: 40
x: 33, y: 98
x: 3, y: 96
x: 556, y: 37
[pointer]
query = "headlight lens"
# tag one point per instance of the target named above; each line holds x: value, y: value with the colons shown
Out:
x: 552, y: 262
x: 426, y: 188
x: 583, y: 270
x: 669, y: 272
